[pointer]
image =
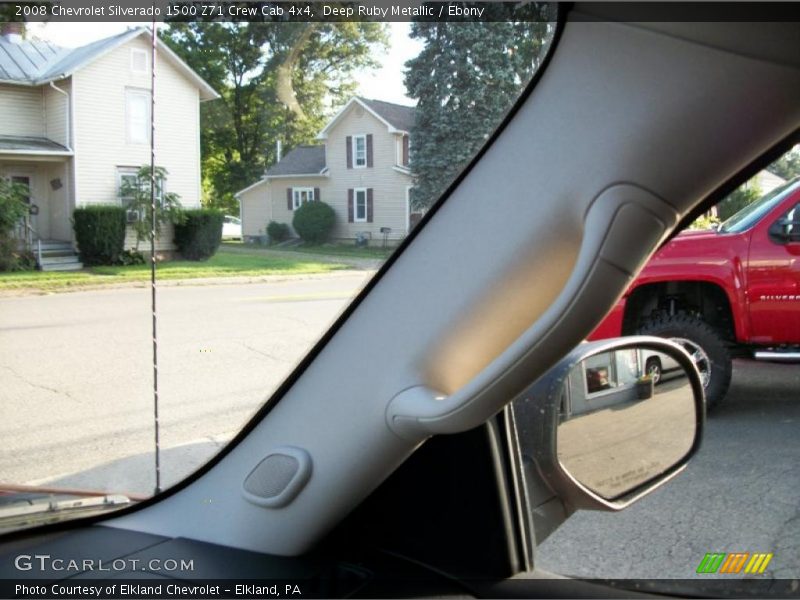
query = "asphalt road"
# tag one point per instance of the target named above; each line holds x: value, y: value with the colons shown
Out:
x: 741, y: 493
x: 76, y: 398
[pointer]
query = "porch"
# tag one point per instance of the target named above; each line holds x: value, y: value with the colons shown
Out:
x: 44, y: 168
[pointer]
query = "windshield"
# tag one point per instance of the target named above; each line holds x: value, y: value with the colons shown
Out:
x: 289, y: 160
x: 752, y: 214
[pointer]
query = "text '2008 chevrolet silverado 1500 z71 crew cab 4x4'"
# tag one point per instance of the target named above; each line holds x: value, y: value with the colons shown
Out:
x: 730, y: 292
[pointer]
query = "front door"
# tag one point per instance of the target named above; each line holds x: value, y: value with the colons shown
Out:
x: 774, y: 280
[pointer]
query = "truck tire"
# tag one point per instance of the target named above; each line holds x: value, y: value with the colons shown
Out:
x: 704, y: 344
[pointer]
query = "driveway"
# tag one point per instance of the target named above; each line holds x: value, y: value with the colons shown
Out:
x: 741, y: 493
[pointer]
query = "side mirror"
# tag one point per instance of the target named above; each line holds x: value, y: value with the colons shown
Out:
x: 784, y: 231
x: 603, y: 428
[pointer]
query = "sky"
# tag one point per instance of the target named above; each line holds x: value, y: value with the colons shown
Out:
x: 383, y: 84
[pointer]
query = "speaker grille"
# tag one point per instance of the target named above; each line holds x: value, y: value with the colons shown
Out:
x: 272, y: 475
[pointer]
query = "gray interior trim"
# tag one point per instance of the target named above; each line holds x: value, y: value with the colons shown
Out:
x: 514, y: 269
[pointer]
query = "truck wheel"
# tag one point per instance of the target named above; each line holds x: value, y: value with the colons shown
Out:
x: 704, y: 345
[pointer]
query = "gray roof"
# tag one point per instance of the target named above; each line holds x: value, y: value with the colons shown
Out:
x: 303, y: 160
x: 24, y: 62
x: 37, y: 62
x: 399, y: 116
x: 29, y: 144
x: 77, y: 57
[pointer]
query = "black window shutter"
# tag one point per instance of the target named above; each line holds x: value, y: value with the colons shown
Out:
x: 350, y: 205
x: 289, y: 198
x: 369, y: 149
x: 349, y: 142
x: 316, y: 194
x: 369, y: 205
x: 405, y: 150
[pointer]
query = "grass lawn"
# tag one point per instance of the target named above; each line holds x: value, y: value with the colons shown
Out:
x: 225, y: 263
x: 346, y: 250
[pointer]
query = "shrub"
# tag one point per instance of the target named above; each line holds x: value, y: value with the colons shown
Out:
x: 704, y: 222
x: 131, y: 257
x: 12, y: 258
x: 313, y: 222
x: 12, y: 210
x: 100, y: 233
x: 277, y: 232
x: 200, y: 233
x: 135, y: 193
x: 737, y: 200
x: 12, y: 205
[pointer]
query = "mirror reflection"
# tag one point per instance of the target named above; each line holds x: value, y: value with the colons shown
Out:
x: 626, y: 416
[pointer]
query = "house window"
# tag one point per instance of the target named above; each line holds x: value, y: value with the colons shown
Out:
x: 301, y: 196
x: 359, y: 151
x: 128, y: 182
x: 610, y: 371
x: 360, y: 205
x: 137, y: 110
x: 403, y: 149
x: 139, y: 61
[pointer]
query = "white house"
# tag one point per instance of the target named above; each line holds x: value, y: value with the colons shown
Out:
x: 75, y: 122
x: 360, y: 168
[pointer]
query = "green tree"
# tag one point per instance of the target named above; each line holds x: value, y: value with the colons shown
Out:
x: 277, y: 81
x: 135, y: 193
x: 465, y: 79
x: 788, y: 165
x: 13, y: 209
x: 737, y: 200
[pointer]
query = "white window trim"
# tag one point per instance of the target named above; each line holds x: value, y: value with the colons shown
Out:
x: 297, y: 196
x: 362, y: 136
x: 133, y: 172
x: 140, y: 52
x: 399, y: 157
x: 130, y: 93
x: 123, y: 172
x: 612, y: 376
x: 408, y: 209
x: 355, y: 205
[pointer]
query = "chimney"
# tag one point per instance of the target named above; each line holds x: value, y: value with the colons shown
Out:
x: 278, y: 151
x: 12, y: 31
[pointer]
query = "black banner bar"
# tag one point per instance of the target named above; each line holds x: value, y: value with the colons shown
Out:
x: 393, y: 11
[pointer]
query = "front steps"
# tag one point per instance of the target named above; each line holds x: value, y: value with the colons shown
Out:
x: 57, y: 256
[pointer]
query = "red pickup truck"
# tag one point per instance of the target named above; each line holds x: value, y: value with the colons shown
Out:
x: 730, y: 292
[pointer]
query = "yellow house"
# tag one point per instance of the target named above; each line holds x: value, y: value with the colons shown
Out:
x: 360, y: 168
x: 74, y: 123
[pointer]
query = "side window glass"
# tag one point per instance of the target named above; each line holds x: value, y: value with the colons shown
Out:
x: 791, y: 224
x: 278, y: 193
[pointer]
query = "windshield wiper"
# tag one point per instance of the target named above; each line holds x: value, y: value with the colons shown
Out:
x: 25, y: 505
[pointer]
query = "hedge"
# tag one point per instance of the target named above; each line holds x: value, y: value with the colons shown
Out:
x: 277, y: 232
x: 100, y: 233
x: 313, y: 222
x: 200, y: 233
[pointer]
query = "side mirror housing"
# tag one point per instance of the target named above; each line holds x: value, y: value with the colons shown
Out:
x: 784, y: 231
x: 599, y: 431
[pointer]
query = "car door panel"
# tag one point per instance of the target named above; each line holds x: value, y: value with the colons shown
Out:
x: 773, y: 285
